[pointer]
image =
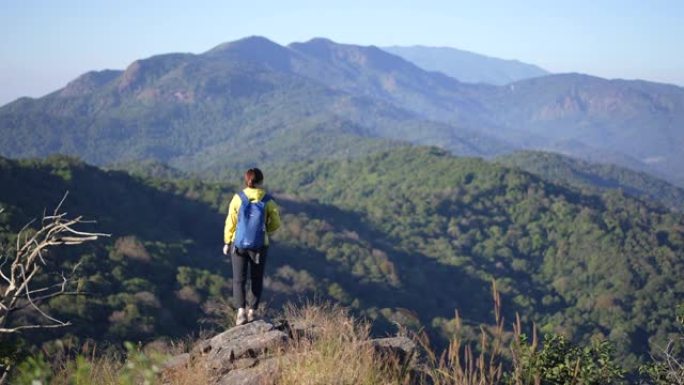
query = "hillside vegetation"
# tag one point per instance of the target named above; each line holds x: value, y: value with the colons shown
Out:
x: 404, y: 237
x: 596, y: 178
x: 581, y: 265
x: 325, y: 345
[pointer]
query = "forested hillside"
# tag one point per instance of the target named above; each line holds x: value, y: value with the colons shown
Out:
x: 162, y: 274
x: 405, y: 236
x: 135, y: 284
x: 582, y: 265
x: 595, y: 177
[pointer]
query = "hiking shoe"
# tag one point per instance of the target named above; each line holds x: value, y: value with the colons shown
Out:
x: 250, y: 315
x: 241, y: 318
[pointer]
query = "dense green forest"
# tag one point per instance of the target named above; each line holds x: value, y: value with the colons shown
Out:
x: 596, y: 178
x: 582, y: 265
x: 161, y: 274
x: 402, y: 237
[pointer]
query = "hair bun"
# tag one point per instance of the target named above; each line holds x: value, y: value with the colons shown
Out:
x: 253, y: 177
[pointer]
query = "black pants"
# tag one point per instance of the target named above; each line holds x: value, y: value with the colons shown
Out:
x: 241, y: 260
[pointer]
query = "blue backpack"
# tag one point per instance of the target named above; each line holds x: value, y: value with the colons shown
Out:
x: 251, y: 223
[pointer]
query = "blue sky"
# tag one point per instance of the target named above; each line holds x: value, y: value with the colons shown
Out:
x: 46, y: 43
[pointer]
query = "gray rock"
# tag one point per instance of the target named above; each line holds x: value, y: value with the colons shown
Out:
x: 401, y: 348
x: 264, y: 373
x: 223, y: 352
x: 244, y: 363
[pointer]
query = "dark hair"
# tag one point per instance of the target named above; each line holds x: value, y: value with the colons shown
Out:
x: 253, y: 176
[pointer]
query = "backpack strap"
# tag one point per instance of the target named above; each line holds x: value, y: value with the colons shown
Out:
x: 243, y: 197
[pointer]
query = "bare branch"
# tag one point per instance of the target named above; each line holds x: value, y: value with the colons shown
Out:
x: 27, y: 327
x: 48, y: 296
x: 59, y: 206
x: 30, y: 258
x: 674, y: 371
x: 4, y: 262
x: 61, y: 293
x: 39, y: 310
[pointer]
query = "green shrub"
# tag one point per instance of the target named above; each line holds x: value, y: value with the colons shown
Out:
x: 561, y: 362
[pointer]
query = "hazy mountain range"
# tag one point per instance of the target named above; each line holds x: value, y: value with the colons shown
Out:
x: 320, y: 99
x: 467, y: 66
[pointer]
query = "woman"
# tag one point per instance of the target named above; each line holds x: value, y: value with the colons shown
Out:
x: 252, y: 216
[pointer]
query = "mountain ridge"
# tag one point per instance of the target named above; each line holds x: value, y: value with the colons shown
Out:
x: 164, y: 94
x: 206, y: 100
x: 467, y: 66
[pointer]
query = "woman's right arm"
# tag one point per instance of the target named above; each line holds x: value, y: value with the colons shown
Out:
x: 231, y: 220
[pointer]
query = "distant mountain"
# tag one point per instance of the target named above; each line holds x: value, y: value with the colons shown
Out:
x: 570, y: 113
x: 596, y: 177
x: 206, y: 111
x: 253, y: 100
x: 467, y: 66
x: 372, y: 72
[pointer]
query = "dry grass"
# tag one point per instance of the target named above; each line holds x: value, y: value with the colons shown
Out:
x: 335, y: 351
x: 332, y: 349
x: 112, y: 367
x: 81, y: 371
x: 461, y: 363
x: 194, y: 373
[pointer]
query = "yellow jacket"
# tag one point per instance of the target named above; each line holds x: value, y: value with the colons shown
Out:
x: 254, y: 194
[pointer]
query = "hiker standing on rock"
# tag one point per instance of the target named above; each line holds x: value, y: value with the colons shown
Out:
x: 252, y: 216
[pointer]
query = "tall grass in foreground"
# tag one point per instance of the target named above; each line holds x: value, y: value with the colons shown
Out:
x: 135, y: 367
x: 334, y: 349
x: 460, y: 363
x: 512, y: 358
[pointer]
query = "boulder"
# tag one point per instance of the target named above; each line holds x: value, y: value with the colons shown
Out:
x: 400, y: 348
x: 223, y: 352
x: 262, y: 373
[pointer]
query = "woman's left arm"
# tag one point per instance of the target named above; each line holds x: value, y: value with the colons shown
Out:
x: 272, y: 217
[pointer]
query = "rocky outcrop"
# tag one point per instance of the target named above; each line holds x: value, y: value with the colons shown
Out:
x: 240, y: 347
x: 401, y: 348
x: 250, y: 354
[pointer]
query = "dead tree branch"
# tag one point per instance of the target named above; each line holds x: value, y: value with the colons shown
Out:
x: 24, y: 265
